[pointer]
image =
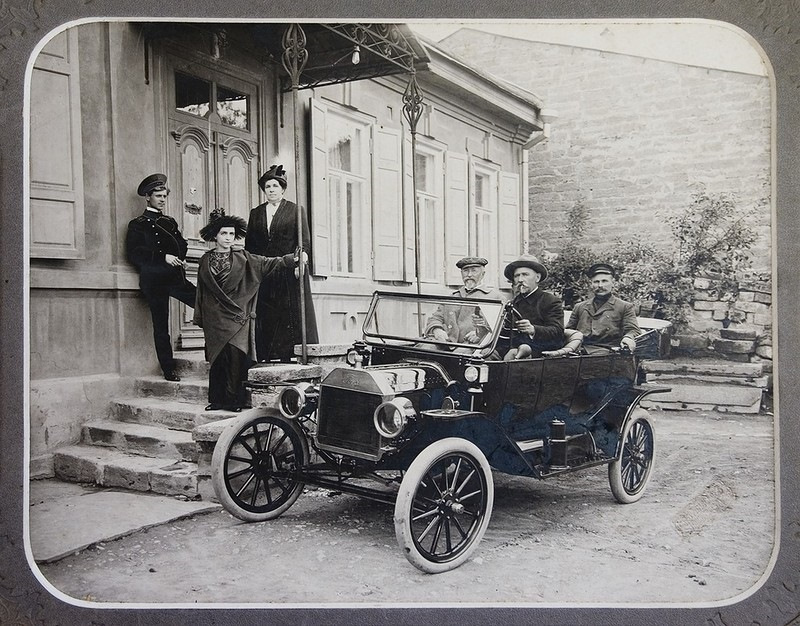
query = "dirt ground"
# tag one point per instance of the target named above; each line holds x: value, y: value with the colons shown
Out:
x: 703, y: 532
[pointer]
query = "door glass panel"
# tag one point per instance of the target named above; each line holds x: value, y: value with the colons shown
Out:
x: 232, y: 108
x: 192, y: 94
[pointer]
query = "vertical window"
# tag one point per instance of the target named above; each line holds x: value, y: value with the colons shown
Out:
x: 348, y: 161
x: 429, y: 198
x: 484, y: 216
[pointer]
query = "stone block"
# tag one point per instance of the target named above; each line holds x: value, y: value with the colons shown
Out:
x: 764, y: 351
x: 182, y: 481
x: 746, y: 296
x: 706, y: 305
x: 42, y: 467
x: 690, y: 342
x: 283, y: 373
x: 732, y: 346
x: 766, y: 298
x: 713, y: 367
x: 727, y: 398
x: 126, y: 477
x: 752, y: 307
x: 738, y: 333
x: 77, y: 469
x: 762, y: 319
x: 702, y: 283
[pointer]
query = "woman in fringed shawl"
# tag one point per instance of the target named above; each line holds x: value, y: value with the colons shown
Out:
x: 227, y: 290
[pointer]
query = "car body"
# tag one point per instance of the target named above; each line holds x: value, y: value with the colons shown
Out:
x: 422, y: 424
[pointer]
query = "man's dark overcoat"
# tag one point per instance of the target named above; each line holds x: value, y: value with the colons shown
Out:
x: 278, y: 312
x: 150, y: 237
x: 546, y: 312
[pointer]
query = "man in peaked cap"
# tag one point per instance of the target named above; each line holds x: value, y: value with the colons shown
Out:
x: 157, y: 249
x: 535, y: 321
x: 605, y: 320
x: 460, y: 324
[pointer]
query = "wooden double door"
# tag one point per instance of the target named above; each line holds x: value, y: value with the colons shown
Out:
x: 212, y: 155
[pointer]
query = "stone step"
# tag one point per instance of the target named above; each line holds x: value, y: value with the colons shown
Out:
x: 112, y: 468
x: 141, y: 439
x: 160, y: 412
x: 706, y: 397
x: 191, y: 388
x: 704, y: 367
x: 191, y: 363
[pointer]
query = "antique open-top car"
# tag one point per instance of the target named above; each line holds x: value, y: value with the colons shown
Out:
x: 422, y: 423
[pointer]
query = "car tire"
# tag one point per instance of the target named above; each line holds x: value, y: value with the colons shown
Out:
x: 255, y: 466
x: 630, y: 472
x: 444, y: 505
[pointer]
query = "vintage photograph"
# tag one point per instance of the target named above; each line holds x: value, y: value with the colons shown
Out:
x: 409, y: 313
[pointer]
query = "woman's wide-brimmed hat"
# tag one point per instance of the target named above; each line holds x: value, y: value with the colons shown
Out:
x: 525, y: 260
x: 275, y: 172
x: 218, y: 220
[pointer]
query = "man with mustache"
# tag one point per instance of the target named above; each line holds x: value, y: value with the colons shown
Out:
x: 605, y: 320
x: 535, y: 322
x: 460, y: 324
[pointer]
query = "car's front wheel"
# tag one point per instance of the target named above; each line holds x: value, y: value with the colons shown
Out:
x: 629, y: 474
x: 255, y: 466
x: 444, y: 505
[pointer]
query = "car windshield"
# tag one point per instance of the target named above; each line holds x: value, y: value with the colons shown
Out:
x: 432, y: 322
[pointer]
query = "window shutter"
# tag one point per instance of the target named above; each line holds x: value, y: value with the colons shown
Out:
x: 456, y: 215
x: 409, y: 265
x: 320, y: 209
x: 387, y: 220
x: 56, y: 170
x: 509, y: 221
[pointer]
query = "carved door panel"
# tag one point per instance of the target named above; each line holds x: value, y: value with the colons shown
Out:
x: 213, y: 163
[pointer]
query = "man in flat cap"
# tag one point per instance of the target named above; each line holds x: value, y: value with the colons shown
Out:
x: 535, y: 322
x: 460, y: 324
x: 605, y: 320
x: 157, y: 249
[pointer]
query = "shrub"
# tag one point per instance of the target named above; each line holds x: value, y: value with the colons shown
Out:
x: 712, y: 238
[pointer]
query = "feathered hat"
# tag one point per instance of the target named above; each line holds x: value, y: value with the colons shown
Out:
x: 218, y: 220
x: 275, y: 172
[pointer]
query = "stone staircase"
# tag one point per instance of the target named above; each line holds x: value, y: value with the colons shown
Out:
x: 161, y: 439
x: 146, y: 443
x: 708, y: 384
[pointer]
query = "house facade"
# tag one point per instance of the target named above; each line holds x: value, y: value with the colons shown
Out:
x: 212, y: 106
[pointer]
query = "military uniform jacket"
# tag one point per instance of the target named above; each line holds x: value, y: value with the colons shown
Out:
x: 147, y: 242
x: 457, y: 320
x: 225, y: 311
x: 607, y: 324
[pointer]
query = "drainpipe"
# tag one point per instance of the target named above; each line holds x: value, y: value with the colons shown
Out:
x: 547, y: 116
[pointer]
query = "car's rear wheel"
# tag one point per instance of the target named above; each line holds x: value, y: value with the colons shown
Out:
x: 629, y: 474
x: 255, y: 466
x: 444, y: 505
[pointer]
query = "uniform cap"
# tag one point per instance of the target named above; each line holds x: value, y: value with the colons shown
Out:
x: 154, y: 182
x: 469, y: 261
x: 600, y: 268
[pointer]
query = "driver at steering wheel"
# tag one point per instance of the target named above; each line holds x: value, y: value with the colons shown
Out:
x: 457, y: 323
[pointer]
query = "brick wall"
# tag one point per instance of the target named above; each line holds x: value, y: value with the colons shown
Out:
x: 634, y: 137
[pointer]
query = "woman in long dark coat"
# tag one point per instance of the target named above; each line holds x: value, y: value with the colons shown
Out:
x: 227, y: 290
x: 272, y: 231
